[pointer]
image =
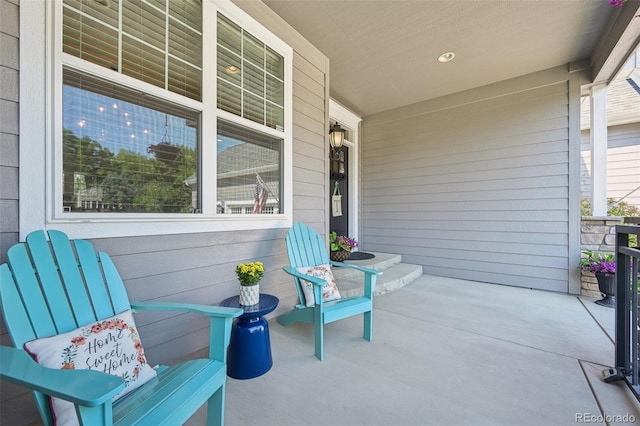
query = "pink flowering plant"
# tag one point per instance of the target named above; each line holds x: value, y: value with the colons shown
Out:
x: 617, y: 3
x: 598, y: 263
x: 341, y: 242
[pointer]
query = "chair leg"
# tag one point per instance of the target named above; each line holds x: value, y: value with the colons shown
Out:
x: 368, y: 325
x: 318, y: 326
x: 215, y: 408
x: 319, y: 340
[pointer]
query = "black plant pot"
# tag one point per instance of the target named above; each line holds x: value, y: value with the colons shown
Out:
x: 607, y: 286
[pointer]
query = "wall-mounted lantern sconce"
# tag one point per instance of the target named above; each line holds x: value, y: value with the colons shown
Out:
x: 336, y: 138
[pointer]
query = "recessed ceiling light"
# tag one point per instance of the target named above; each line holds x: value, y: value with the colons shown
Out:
x: 232, y: 69
x: 446, y: 57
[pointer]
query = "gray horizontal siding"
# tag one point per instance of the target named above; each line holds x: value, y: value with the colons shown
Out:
x: 309, y: 151
x: 9, y: 93
x: 476, y: 190
x: 192, y: 268
x: 16, y: 405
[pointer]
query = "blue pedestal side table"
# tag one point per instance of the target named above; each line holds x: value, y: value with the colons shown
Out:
x: 249, y: 353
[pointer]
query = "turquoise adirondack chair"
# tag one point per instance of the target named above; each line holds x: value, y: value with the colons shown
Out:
x: 306, y: 249
x: 56, y: 286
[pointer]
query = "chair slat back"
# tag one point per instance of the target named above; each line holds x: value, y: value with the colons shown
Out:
x: 305, y: 248
x: 23, y: 324
x: 28, y: 296
x: 54, y: 286
x: 91, y: 270
x: 72, y: 282
x: 16, y: 318
x: 119, y: 298
x: 57, y: 285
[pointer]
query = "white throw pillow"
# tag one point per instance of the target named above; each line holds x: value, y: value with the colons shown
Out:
x: 329, y: 289
x: 112, y: 346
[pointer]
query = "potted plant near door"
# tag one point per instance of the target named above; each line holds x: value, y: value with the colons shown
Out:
x: 603, y: 265
x: 340, y: 247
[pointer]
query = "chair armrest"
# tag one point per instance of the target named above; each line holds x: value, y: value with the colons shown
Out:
x: 220, y: 319
x: 89, y: 388
x: 359, y: 268
x: 370, y: 276
x: 314, y: 280
x: 207, y: 310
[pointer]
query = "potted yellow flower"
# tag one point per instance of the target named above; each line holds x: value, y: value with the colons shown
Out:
x: 249, y: 275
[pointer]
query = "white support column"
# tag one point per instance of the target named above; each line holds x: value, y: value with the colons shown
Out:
x: 599, y: 150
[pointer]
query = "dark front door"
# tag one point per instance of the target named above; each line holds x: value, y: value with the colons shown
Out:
x: 340, y: 175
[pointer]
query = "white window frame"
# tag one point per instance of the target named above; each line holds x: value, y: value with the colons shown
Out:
x: 41, y: 133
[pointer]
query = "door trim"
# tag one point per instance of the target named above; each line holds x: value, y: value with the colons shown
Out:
x: 350, y: 121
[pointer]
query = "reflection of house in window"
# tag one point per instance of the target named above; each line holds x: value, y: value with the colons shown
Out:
x: 86, y: 198
x: 249, y: 171
x: 192, y: 182
x: 249, y: 179
x: 90, y: 199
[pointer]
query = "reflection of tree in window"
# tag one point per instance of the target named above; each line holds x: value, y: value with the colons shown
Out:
x: 134, y: 151
x: 127, y: 181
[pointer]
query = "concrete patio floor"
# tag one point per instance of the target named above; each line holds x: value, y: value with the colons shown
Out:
x: 445, y: 352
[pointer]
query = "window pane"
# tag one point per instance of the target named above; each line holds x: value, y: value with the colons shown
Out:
x: 274, y: 116
x: 124, y: 151
x: 253, y: 79
x: 160, y: 4
x: 89, y: 40
x: 275, y: 90
x: 144, y: 22
x: 142, y: 62
x: 229, y: 98
x: 229, y: 66
x: 229, y: 35
x: 253, y: 107
x: 186, y: 44
x: 249, y: 171
x: 96, y: 10
x: 184, y: 79
x: 275, y: 64
x: 188, y: 12
x: 253, y: 49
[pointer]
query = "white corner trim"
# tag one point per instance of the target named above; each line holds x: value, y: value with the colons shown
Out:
x: 33, y: 118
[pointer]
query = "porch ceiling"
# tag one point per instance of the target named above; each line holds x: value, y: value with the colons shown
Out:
x: 383, y: 54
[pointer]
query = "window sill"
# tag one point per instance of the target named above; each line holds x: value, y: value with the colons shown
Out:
x: 88, y: 228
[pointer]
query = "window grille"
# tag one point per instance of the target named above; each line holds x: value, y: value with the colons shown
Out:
x: 250, y: 76
x: 156, y: 42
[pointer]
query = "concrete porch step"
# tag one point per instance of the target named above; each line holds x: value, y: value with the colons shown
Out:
x: 395, y: 274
